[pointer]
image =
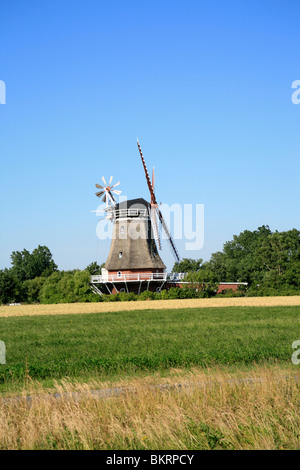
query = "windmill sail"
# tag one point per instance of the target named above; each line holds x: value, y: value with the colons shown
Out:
x: 170, y: 239
x: 151, y: 189
x: 155, y: 210
x: 155, y: 227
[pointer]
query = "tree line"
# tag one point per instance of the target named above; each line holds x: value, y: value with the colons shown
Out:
x: 268, y: 261
x: 34, y: 277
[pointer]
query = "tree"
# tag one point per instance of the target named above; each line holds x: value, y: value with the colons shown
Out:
x: 241, y: 255
x: 217, y: 266
x: 279, y: 256
x: 258, y: 257
x: 187, y: 265
x: 10, y: 287
x: 31, y: 289
x: 94, y: 268
x: 239, y: 259
x: 67, y: 286
x: 26, y: 265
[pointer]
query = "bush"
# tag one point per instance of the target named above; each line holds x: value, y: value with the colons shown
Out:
x: 187, y: 293
x: 173, y: 293
x: 32, y: 288
x: 203, y: 294
x: 163, y: 294
x: 10, y: 287
x: 110, y: 297
x: 127, y: 297
x: 228, y: 293
x: 147, y: 295
x: 67, y: 287
x: 263, y: 291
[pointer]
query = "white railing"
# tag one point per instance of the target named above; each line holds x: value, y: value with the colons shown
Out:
x: 172, y: 277
x: 128, y: 212
x: 176, y: 276
x: 130, y: 277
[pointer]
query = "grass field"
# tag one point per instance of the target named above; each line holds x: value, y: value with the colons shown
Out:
x: 114, y: 344
x: 57, y: 349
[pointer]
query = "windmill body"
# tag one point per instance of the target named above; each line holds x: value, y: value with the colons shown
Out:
x: 133, y: 263
x: 133, y: 246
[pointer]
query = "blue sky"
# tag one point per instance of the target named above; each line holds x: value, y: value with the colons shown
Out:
x: 206, y: 86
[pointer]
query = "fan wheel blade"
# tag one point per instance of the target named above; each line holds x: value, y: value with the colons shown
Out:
x: 99, y: 186
x: 111, y: 196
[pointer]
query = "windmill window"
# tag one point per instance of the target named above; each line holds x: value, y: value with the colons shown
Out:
x: 122, y: 290
x: 120, y: 254
x: 119, y: 273
x: 122, y: 229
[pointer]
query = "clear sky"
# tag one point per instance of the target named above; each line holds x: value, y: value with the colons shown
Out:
x: 206, y: 86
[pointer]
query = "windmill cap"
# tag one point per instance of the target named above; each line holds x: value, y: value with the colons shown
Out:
x: 137, y: 203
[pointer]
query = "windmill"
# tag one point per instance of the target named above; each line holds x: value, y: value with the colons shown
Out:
x: 155, y: 211
x: 133, y: 263
x: 108, y: 192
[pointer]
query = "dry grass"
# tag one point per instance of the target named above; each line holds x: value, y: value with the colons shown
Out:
x: 60, y: 309
x: 220, y: 414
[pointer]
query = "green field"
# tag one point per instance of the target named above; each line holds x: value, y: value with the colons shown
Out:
x: 108, y: 344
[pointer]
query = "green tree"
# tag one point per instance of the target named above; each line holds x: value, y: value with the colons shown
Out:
x: 94, y: 268
x: 216, y: 268
x: 31, y: 289
x: 279, y: 256
x: 10, y: 287
x: 26, y: 265
x: 269, y: 262
x: 67, y: 286
x: 187, y: 265
x: 241, y: 255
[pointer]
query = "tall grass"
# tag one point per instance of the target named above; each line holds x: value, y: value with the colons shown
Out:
x: 218, y: 414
